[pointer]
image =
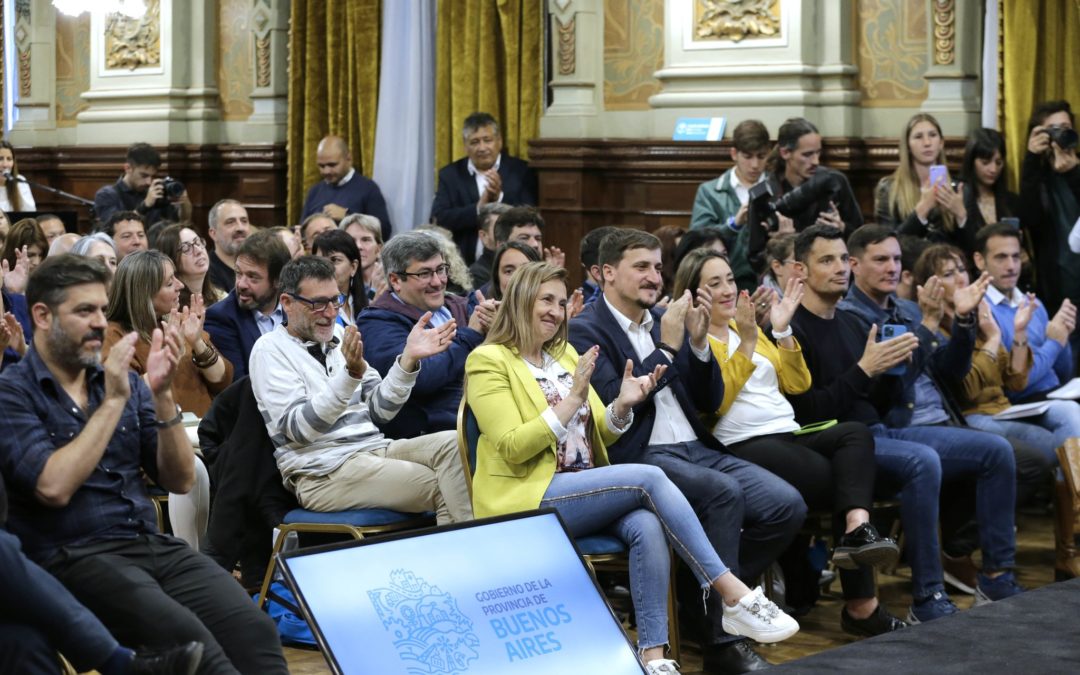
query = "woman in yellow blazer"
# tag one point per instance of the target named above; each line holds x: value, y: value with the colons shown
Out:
x: 833, y: 469
x: 543, y: 432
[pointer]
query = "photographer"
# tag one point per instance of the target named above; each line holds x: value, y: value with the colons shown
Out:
x: 140, y: 190
x: 1050, y: 200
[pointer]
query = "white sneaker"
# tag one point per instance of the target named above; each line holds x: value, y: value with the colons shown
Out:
x: 662, y: 667
x: 757, y: 618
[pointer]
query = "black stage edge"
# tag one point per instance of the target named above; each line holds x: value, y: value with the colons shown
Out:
x: 1036, y: 632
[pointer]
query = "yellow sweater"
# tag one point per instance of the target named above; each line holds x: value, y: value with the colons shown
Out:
x: 790, y: 367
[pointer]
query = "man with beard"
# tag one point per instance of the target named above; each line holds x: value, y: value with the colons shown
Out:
x: 140, y: 190
x: 321, y: 402
x: 251, y: 309
x: 229, y: 227
x: 749, y: 515
x: 76, y: 438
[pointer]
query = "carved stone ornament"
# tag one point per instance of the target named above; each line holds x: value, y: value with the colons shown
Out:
x: 736, y: 19
x: 133, y: 43
x: 944, y: 32
x: 567, y: 46
x: 262, y: 61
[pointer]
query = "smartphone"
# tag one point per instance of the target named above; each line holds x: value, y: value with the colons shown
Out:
x: 1014, y: 222
x: 939, y: 174
x: 889, y: 331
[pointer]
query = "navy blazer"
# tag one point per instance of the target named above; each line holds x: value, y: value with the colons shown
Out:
x: 233, y: 331
x: 456, y: 198
x: 698, y: 385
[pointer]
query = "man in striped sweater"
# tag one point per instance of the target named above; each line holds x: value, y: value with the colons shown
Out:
x: 321, y: 402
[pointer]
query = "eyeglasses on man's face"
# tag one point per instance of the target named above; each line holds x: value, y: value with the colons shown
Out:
x: 189, y: 246
x: 426, y: 274
x: 319, y: 304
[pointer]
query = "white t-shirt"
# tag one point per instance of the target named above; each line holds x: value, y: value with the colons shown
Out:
x: 760, y: 408
x: 27, y: 199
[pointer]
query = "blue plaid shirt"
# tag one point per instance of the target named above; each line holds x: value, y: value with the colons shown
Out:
x: 39, y: 417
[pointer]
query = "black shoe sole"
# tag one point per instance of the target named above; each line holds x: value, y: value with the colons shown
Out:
x: 881, y: 555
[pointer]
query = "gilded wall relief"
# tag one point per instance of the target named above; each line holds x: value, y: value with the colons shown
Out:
x: 236, y: 47
x: 633, y: 51
x: 736, y: 20
x: 944, y: 32
x: 72, y: 66
x: 130, y: 43
x: 892, y: 52
x: 23, y: 31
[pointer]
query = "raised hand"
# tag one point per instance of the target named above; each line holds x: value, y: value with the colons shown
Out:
x: 14, y: 330
x: 831, y: 218
x: 352, y: 348
x: 118, y: 364
x: 781, y: 313
x: 1038, y: 140
x: 555, y: 256
x: 15, y: 278
x: 745, y: 324
x: 576, y: 304
x: 698, y: 317
x: 673, y: 322
x: 1064, y: 322
x: 966, y: 299
x: 586, y: 366
x: 483, y: 314
x: 1064, y: 160
x: 932, y: 302
x: 762, y: 301
x: 880, y: 356
x: 166, y: 348
x: 988, y: 328
x: 927, y: 200
x: 378, y: 278
x: 424, y: 342
x: 951, y: 200
x: 1024, y: 313
x: 634, y: 390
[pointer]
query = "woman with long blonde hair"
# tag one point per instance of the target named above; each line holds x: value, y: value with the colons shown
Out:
x: 908, y: 200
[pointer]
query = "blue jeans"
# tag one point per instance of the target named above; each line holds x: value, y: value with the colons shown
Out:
x: 908, y: 457
x: 1046, y: 431
x: 749, y: 515
x: 637, y: 504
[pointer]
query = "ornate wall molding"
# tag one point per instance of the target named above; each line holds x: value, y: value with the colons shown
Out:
x: 134, y: 43
x: 736, y: 20
x: 23, y: 33
x: 944, y: 32
x: 262, y: 61
x: 567, y: 46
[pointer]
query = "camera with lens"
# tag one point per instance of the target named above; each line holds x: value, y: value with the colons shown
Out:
x: 173, y: 187
x: 1065, y: 137
x: 762, y: 207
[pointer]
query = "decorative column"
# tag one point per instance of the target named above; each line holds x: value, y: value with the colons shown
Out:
x: 34, y: 40
x: 954, y: 93
x: 154, y: 79
x: 577, y: 77
x: 270, y: 51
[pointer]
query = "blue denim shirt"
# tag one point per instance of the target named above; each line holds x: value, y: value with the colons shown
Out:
x: 39, y: 417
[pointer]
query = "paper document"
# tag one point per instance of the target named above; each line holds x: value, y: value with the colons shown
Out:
x: 1069, y: 390
x: 1023, y: 410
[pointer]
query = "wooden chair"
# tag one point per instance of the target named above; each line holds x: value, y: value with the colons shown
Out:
x: 599, y: 552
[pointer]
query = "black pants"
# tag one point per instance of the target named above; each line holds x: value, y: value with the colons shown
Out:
x: 155, y: 591
x: 836, y: 475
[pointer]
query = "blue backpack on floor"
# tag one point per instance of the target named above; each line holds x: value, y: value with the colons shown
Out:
x: 283, y: 609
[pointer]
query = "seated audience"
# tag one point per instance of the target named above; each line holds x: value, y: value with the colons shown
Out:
x: 15, y: 326
x: 756, y: 423
x: 228, y: 227
x: 63, y: 243
x: 340, y: 249
x: 367, y: 233
x: 140, y: 190
x: 987, y: 200
x: 554, y: 456
x: 591, y: 285
x: 525, y: 224
x: 779, y: 263
x: 321, y: 402
x: 458, y: 279
x: 749, y: 515
x: 910, y: 201
x: 485, y: 231
x: 191, y: 261
x: 51, y: 226
x: 25, y: 240
x: 252, y: 308
x: 76, y: 439
x: 15, y: 194
x: 911, y: 247
x: 128, y: 232
x: 342, y: 190
x: 313, y: 226
x: 417, y: 274
x: 711, y: 238
x: 290, y: 239
x: 101, y: 246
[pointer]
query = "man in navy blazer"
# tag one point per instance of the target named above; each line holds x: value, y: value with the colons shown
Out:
x: 484, y: 176
x: 251, y: 309
x: 749, y: 514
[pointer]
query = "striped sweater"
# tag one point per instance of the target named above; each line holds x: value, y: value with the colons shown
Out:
x: 318, y: 417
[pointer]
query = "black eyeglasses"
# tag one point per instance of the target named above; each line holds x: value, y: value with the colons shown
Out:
x: 190, y: 246
x: 319, y: 304
x: 425, y: 275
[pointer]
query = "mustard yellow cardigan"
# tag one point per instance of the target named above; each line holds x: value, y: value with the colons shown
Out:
x: 515, y: 458
x: 790, y: 367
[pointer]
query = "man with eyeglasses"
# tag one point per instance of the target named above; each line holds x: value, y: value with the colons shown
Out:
x: 416, y: 273
x: 322, y: 403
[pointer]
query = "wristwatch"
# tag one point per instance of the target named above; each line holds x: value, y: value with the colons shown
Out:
x: 165, y: 424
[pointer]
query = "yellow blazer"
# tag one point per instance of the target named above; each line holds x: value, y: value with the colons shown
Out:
x: 790, y: 367
x: 515, y: 458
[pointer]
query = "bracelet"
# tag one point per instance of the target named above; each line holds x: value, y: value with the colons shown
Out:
x: 206, y: 359
x: 620, y: 422
x: 780, y: 335
x: 1019, y: 343
x: 965, y: 320
x: 165, y: 424
x: 668, y: 348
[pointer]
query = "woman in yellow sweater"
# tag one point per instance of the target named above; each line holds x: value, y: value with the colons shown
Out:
x: 543, y: 442
x: 832, y: 468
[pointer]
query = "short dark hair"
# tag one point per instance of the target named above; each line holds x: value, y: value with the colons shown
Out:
x: 787, y: 138
x: 519, y: 216
x: 1048, y: 108
x: 340, y: 241
x: 143, y: 154
x: 304, y: 267
x: 109, y: 227
x: 804, y: 241
x: 478, y: 120
x: 697, y: 238
x: 484, y: 213
x: 524, y: 249
x: 266, y: 248
x: 750, y: 136
x: 911, y: 249
x: 616, y: 244
x: 982, y: 237
x: 48, y: 283
x: 590, y: 244
x: 868, y: 235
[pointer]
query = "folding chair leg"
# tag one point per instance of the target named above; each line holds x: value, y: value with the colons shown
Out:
x: 279, y: 542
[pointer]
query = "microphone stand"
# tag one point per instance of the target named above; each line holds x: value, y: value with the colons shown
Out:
x: 56, y: 191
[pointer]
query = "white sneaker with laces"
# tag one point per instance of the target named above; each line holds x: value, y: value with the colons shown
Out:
x: 759, y: 619
x: 662, y: 667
